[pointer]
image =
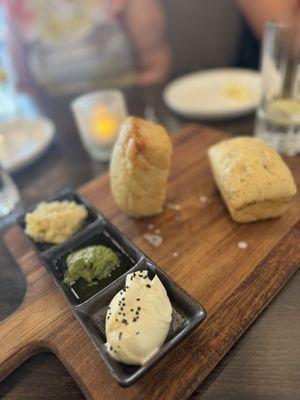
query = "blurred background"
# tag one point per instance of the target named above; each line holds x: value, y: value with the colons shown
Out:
x: 198, y: 34
x: 55, y: 132
x: 51, y: 52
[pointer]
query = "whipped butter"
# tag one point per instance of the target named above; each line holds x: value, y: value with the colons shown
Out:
x: 138, y: 319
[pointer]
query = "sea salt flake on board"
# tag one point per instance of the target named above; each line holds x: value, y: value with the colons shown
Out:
x: 243, y: 245
x: 175, y: 254
x: 205, y: 200
x: 155, y: 240
x: 174, y: 206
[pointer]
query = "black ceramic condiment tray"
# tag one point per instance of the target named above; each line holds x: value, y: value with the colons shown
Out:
x: 90, y: 306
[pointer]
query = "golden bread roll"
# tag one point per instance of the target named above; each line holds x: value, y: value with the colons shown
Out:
x: 253, y: 180
x: 140, y: 167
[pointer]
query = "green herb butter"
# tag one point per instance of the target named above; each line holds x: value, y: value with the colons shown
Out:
x: 90, y: 263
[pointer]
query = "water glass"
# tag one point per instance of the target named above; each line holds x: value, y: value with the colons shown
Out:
x: 98, y: 116
x: 8, y: 106
x: 278, y: 116
x: 9, y: 194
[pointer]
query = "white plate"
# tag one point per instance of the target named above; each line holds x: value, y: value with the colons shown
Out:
x: 214, y: 94
x: 23, y: 140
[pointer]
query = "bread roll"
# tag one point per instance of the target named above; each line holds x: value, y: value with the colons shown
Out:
x: 140, y: 167
x: 254, y: 181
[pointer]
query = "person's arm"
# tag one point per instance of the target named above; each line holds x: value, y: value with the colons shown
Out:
x: 145, y: 22
x: 257, y: 12
x: 146, y: 25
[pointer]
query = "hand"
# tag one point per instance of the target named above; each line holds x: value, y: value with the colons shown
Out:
x: 154, y: 66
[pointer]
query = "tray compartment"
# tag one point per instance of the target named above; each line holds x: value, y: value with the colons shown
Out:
x: 67, y: 194
x: 100, y: 233
x: 187, y: 313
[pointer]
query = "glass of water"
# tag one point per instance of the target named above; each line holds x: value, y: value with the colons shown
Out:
x: 8, y: 105
x: 278, y: 116
x: 9, y: 194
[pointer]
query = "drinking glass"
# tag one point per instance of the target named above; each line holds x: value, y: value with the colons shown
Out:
x: 278, y: 116
x: 9, y: 194
x: 99, y: 116
x: 7, y: 86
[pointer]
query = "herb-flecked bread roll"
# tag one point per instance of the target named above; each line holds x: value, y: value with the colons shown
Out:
x: 140, y: 167
x: 253, y: 180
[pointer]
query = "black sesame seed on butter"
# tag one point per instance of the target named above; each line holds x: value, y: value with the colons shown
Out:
x: 138, y: 299
x: 120, y: 335
x: 139, y: 308
x: 148, y: 286
x: 131, y: 309
x: 137, y: 333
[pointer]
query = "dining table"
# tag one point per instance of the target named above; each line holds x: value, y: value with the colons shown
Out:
x: 263, y: 364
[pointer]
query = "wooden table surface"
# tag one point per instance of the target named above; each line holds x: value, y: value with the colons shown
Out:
x: 265, y: 363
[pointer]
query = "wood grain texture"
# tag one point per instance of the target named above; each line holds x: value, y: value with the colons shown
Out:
x: 233, y: 284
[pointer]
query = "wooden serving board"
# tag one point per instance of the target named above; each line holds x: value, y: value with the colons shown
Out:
x: 234, y: 284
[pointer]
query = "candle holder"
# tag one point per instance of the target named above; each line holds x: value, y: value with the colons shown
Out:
x: 98, y: 116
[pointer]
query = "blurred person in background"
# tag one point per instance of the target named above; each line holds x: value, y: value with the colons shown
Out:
x: 219, y: 33
x: 258, y: 12
x: 73, y: 45
x: 67, y: 46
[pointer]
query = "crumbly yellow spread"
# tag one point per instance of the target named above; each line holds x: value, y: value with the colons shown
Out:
x: 55, y: 222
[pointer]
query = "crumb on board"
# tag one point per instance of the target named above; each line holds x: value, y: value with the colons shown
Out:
x: 155, y: 240
x: 157, y: 231
x: 151, y: 226
x: 243, y: 245
x: 205, y: 200
x: 175, y: 254
x: 174, y: 206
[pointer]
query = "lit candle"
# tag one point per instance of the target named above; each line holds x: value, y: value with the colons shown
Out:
x: 99, y: 116
x: 104, y: 124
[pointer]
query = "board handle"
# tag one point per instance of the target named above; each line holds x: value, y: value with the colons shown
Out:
x: 18, y: 339
x: 22, y: 333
